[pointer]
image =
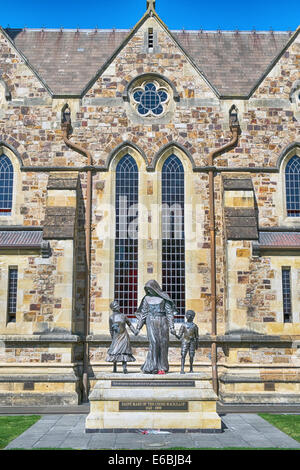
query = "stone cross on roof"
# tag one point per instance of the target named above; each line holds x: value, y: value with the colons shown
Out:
x: 151, y: 4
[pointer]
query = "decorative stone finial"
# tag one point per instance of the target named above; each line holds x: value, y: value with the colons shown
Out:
x: 150, y: 4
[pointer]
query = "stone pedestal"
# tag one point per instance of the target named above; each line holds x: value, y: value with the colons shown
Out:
x: 173, y: 401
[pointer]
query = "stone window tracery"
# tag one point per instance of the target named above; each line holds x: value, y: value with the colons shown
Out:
x: 126, y: 239
x: 292, y: 187
x: 173, y: 237
x: 6, y: 185
x: 150, y: 98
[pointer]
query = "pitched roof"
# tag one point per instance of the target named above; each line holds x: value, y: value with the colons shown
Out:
x: 232, y: 61
x: 21, y: 239
x: 68, y: 59
x: 282, y: 239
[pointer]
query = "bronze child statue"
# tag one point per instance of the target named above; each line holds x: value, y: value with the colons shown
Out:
x: 190, y: 334
x: 120, y: 349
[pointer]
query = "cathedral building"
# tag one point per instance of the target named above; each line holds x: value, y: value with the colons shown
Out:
x: 132, y: 155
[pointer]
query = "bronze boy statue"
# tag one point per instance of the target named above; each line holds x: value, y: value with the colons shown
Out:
x: 189, y: 331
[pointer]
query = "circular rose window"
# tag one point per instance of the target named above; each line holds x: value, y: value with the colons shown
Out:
x: 150, y: 98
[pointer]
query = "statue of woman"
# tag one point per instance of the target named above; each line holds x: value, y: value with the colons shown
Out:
x: 156, y: 311
x: 120, y: 349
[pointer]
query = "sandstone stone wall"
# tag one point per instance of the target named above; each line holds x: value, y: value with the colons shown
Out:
x: 51, y: 290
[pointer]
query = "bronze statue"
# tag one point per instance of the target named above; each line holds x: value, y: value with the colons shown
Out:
x: 156, y: 311
x: 189, y: 344
x: 120, y: 349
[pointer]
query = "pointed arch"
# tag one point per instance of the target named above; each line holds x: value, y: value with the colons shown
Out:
x: 6, y: 184
x: 287, y: 165
x: 150, y: 76
x: 148, y: 14
x: 11, y: 151
x: 123, y: 149
x: 292, y: 186
x: 287, y: 152
x: 11, y: 196
x: 172, y: 148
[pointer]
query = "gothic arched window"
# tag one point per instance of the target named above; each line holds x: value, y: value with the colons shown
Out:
x: 292, y: 187
x: 126, y: 240
x: 6, y: 185
x: 173, y: 240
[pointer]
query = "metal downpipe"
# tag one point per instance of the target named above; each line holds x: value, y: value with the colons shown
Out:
x: 66, y: 128
x: 212, y: 227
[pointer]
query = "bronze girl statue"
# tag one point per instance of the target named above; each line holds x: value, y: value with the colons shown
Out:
x: 120, y: 349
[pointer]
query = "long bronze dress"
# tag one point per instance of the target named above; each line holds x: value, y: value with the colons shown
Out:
x: 120, y: 349
x: 156, y: 312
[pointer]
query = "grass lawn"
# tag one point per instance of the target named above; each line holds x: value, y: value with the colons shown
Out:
x: 12, y: 426
x: 290, y: 424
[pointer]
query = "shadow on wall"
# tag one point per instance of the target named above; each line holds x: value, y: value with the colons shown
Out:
x: 80, y: 263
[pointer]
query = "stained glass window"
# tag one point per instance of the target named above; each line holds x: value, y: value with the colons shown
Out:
x: 292, y: 185
x: 126, y: 240
x: 12, y: 294
x: 150, y: 99
x: 6, y: 185
x: 286, y: 295
x: 173, y: 239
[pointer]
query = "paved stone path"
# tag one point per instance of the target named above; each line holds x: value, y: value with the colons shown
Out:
x: 67, y: 431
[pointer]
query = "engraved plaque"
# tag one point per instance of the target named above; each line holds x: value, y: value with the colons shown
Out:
x: 270, y: 387
x: 153, y: 406
x: 28, y: 386
x: 152, y: 383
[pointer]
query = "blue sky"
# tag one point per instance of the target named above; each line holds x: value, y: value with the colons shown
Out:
x: 177, y: 14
